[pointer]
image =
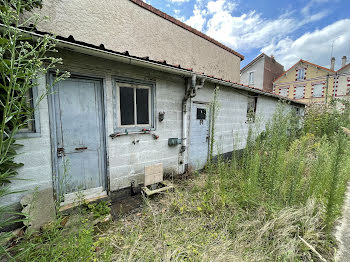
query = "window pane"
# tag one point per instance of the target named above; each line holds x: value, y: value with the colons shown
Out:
x: 317, y: 92
x: 301, y: 73
x: 284, y: 91
x: 127, y: 106
x: 142, y: 105
x: 299, y: 92
x: 27, y: 118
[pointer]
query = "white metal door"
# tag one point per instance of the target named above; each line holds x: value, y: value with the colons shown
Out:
x: 199, y: 136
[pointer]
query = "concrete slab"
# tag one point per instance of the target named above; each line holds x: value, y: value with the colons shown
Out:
x: 40, y: 208
x: 342, y: 233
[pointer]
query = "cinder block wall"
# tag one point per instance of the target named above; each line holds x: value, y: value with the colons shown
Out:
x: 126, y: 160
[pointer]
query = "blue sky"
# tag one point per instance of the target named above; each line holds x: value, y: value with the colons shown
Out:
x: 289, y: 30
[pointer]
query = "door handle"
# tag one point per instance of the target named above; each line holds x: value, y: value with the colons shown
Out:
x: 81, y: 148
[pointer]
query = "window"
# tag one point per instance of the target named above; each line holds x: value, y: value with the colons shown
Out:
x: 134, y: 106
x: 31, y: 123
x: 251, y: 108
x: 28, y: 120
x: 317, y: 90
x: 301, y: 74
x: 284, y: 91
x: 251, y: 78
x: 299, y: 92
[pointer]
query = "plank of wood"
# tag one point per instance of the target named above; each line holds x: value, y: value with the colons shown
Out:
x: 167, y: 187
x: 153, y: 174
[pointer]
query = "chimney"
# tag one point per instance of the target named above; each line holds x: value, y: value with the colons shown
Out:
x: 343, y: 61
x: 332, y: 63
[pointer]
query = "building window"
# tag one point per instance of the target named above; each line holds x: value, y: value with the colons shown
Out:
x: 251, y: 108
x: 317, y: 90
x: 299, y: 92
x: 251, y: 78
x: 30, y: 121
x: 134, y: 106
x: 301, y: 74
x: 284, y: 91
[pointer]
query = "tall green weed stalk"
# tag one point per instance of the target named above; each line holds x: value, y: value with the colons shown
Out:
x: 23, y: 60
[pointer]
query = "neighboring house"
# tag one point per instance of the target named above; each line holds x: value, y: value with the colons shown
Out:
x: 306, y: 82
x: 121, y: 110
x: 261, y: 72
x: 342, y: 80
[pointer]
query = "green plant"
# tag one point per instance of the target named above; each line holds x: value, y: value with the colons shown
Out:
x: 100, y: 209
x: 23, y: 60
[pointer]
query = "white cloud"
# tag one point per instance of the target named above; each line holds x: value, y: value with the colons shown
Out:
x: 249, y: 30
x: 178, y: 1
x: 313, y: 46
x: 197, y: 20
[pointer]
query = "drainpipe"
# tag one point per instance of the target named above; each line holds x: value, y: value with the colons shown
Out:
x: 191, y: 91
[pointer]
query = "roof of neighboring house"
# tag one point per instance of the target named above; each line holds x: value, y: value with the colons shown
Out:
x: 253, y: 61
x: 71, y: 43
x: 341, y: 69
x: 306, y: 62
x: 184, y: 26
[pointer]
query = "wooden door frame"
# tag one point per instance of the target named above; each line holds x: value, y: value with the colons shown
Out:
x: 53, y: 131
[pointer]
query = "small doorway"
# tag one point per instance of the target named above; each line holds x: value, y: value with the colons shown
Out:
x: 199, y: 136
x: 78, y: 138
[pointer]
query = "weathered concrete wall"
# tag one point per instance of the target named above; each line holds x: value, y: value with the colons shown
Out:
x: 258, y: 69
x: 122, y: 25
x: 126, y: 160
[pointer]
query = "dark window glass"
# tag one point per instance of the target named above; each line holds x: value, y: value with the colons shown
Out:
x: 127, y: 106
x: 251, y: 108
x: 142, y: 106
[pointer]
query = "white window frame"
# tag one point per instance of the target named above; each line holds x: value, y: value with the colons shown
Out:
x: 135, y: 84
x: 301, y: 76
x: 251, y: 79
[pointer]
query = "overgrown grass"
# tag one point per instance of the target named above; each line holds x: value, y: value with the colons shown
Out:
x: 284, y: 190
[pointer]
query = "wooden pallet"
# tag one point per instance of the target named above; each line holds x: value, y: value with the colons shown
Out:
x: 167, y: 186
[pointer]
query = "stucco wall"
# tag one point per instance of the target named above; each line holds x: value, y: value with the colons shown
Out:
x: 313, y: 74
x: 126, y: 160
x: 258, y: 69
x: 124, y: 26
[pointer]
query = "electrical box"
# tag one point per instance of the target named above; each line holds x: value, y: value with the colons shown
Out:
x: 174, y: 141
x: 201, y: 113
